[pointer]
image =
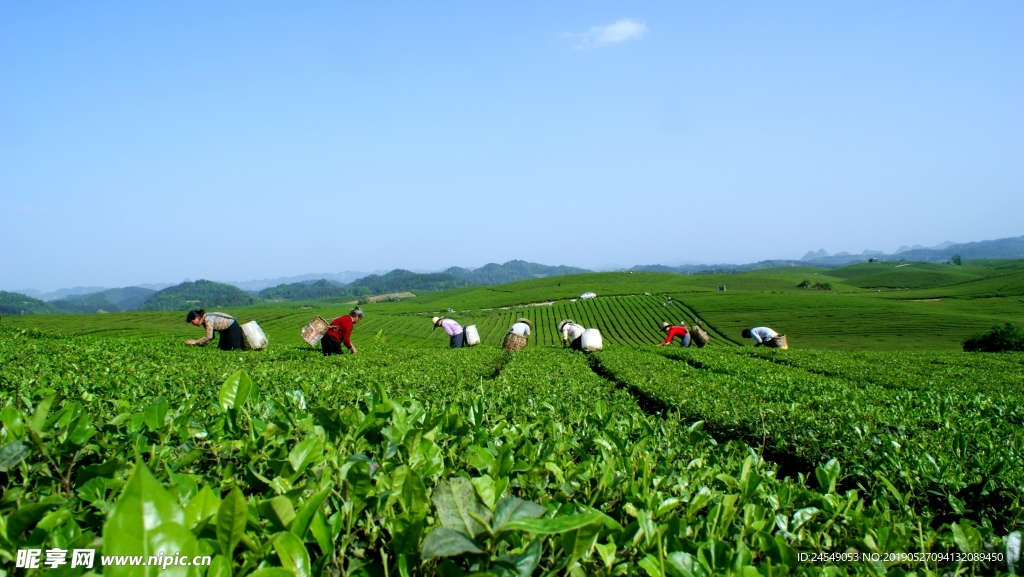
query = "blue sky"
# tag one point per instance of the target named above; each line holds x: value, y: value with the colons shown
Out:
x: 152, y: 142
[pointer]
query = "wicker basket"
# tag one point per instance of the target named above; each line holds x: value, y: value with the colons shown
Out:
x: 699, y: 336
x: 513, y: 342
x: 779, y: 342
x: 315, y: 330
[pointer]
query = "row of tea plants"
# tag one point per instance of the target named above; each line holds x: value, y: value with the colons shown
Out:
x: 937, y: 433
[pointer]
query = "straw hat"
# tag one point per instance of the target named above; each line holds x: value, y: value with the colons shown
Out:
x: 435, y: 320
x: 527, y: 321
x: 665, y: 326
x: 562, y: 324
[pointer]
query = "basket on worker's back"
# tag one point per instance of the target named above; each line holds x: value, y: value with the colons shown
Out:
x: 699, y: 336
x: 315, y: 330
x: 513, y: 342
x: 591, y: 341
x: 472, y: 336
x: 779, y: 342
x: 253, y: 337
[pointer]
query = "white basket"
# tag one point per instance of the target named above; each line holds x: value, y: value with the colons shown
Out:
x: 472, y: 336
x: 591, y: 340
x: 253, y: 336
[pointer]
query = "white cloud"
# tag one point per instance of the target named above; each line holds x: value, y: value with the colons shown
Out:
x: 620, y: 31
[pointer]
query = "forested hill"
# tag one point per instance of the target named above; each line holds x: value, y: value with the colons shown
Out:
x: 511, y: 271
x: 201, y: 294
x: 109, y: 301
x: 306, y: 291
x: 19, y: 304
x: 397, y: 280
x: 128, y: 298
x: 90, y: 303
x: 400, y: 280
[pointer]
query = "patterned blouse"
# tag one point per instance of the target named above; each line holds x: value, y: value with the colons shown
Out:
x: 214, y: 322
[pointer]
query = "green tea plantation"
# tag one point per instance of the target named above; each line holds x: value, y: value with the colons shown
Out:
x: 419, y: 460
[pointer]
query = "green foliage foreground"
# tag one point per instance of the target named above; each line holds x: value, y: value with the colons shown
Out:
x: 403, y: 461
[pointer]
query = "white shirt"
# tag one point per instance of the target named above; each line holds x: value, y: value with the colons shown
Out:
x: 762, y: 334
x: 571, y: 332
x: 521, y: 329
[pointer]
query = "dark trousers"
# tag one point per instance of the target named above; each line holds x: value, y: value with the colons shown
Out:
x: 329, y: 346
x: 456, y: 341
x: 230, y: 338
x: 577, y: 343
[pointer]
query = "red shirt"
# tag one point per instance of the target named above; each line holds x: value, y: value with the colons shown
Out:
x: 674, y: 332
x: 341, y: 330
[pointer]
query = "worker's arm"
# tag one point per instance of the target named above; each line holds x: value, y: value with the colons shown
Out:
x: 209, y: 334
x: 674, y: 332
x: 346, y: 337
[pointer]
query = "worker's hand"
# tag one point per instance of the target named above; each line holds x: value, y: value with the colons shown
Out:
x: 662, y: 344
x: 354, y: 351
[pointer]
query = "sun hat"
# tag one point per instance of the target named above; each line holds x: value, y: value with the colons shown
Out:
x: 562, y: 324
x: 665, y: 325
x: 528, y: 322
x: 435, y: 320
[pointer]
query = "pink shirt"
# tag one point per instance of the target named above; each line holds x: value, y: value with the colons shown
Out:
x: 451, y: 327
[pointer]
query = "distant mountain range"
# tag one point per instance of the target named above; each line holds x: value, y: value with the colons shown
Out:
x: 208, y: 294
x: 1002, y: 248
x: 346, y: 277
x: 397, y: 280
x: 939, y: 246
x: 845, y: 257
x: 511, y: 271
x: 821, y: 254
x: 83, y: 290
x: 1012, y: 247
x: 110, y: 300
x: 346, y: 284
x: 107, y: 301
